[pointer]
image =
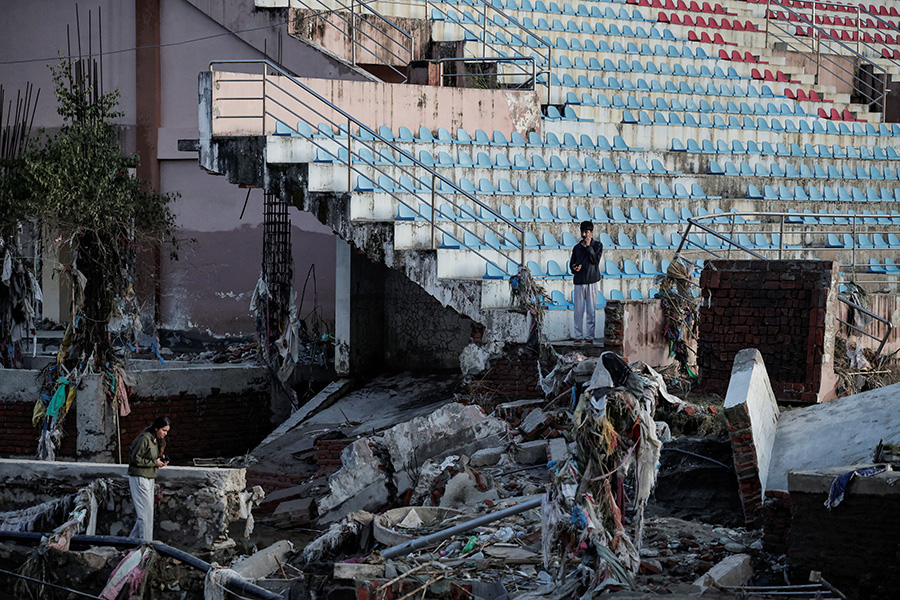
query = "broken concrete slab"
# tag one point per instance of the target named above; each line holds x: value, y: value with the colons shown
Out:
x: 837, y: 433
x: 358, y: 571
x: 384, y: 402
x: 752, y: 414
x: 750, y: 401
x: 731, y: 571
x: 533, y: 422
x: 293, y: 513
x: 463, y: 490
x: 486, y: 457
x: 380, y: 467
x: 332, y: 392
x: 532, y: 453
x: 557, y: 450
x: 264, y: 562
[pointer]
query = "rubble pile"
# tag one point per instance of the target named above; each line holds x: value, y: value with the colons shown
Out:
x: 555, y: 489
x: 546, y: 498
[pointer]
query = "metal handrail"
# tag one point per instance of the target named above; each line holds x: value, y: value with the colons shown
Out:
x: 497, y: 75
x: 352, y: 153
x: 484, y: 37
x: 815, y: 47
x: 697, y: 222
x: 352, y: 35
x: 487, y: 4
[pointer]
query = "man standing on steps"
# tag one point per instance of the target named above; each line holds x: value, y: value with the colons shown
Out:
x: 585, y: 264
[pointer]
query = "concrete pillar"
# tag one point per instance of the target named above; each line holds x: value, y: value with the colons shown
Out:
x: 342, y: 306
x: 96, y: 423
x: 54, y: 285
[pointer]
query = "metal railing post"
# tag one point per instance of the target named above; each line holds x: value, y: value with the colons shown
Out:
x: 858, y: 31
x: 349, y: 158
x: 522, y: 251
x: 484, y: 29
x: 768, y: 12
x: 817, y: 33
x: 264, y: 77
x: 781, y: 239
x: 549, y: 74
x: 353, y: 32
x: 433, y: 207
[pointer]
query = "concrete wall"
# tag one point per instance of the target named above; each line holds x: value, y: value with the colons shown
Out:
x: 215, y: 411
x: 372, y: 103
x: 197, y: 505
x: 420, y: 333
x: 783, y: 308
x: 376, y: 41
x: 854, y: 545
x: 207, y: 290
x: 752, y: 414
x: 395, y: 324
x: 635, y: 328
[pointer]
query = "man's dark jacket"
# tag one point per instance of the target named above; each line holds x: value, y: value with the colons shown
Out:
x: 589, y: 259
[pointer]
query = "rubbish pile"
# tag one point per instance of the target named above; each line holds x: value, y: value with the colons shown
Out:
x: 541, y: 499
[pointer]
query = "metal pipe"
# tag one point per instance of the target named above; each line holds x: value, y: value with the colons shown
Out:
x: 413, y: 545
x: 237, y: 585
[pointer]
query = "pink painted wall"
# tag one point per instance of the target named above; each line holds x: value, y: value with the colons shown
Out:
x: 372, y: 103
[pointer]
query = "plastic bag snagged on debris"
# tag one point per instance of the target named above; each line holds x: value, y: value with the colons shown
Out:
x: 857, y: 356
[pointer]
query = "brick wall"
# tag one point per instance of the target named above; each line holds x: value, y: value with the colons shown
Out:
x: 328, y: 452
x: 512, y: 376
x: 744, y: 450
x: 776, y: 521
x: 778, y: 307
x: 219, y: 424
x: 856, y: 545
x: 19, y: 437
x: 614, y: 328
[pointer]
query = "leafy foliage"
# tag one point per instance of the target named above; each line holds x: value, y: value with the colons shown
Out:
x: 80, y: 185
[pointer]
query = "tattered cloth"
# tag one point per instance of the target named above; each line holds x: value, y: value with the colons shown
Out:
x: 131, y: 570
x: 841, y: 482
x: 614, y: 431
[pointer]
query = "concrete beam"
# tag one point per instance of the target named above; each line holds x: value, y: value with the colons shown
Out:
x: 731, y: 571
x: 264, y: 562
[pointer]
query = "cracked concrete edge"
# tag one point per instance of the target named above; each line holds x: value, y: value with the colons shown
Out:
x: 328, y: 396
x: 818, y: 481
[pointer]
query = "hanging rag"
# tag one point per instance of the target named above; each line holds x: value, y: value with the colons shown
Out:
x: 842, y: 482
x: 40, y: 410
x: 131, y: 570
x: 121, y: 392
x: 7, y: 268
x: 59, y: 398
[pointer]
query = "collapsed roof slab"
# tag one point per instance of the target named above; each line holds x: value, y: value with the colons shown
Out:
x: 841, y: 432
